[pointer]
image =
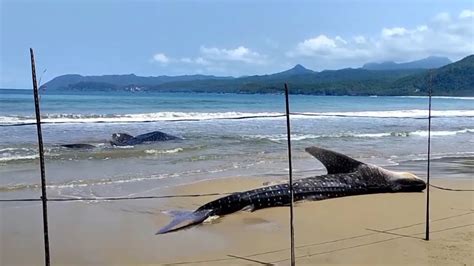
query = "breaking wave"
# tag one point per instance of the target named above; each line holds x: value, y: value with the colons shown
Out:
x: 18, y: 154
x: 13, y: 120
x: 436, y: 156
x: 130, y: 118
x: 418, y: 133
x: 19, y: 158
x: 164, y: 151
x: 415, y: 113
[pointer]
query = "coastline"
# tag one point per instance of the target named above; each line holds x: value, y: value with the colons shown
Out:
x: 145, y: 92
x: 345, y: 231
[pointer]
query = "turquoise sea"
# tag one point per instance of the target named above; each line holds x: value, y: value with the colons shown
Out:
x: 223, y: 135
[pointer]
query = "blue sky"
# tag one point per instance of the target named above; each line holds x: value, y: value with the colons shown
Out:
x: 235, y: 38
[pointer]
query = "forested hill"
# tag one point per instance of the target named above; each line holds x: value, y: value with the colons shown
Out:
x: 426, y: 63
x: 455, y: 79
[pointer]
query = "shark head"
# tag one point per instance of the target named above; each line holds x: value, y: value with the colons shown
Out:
x: 404, y: 181
x: 120, y: 139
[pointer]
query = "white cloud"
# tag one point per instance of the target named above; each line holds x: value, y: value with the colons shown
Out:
x: 325, y: 47
x: 215, y: 60
x: 442, y: 35
x: 319, y: 45
x: 161, y: 58
x: 340, y: 39
x: 241, y: 53
x: 393, y: 32
x: 360, y: 39
x: 422, y: 28
x: 197, y: 60
x: 201, y: 61
x: 466, y: 13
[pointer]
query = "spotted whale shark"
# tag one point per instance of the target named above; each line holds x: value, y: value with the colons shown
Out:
x: 123, y: 139
x: 345, y: 177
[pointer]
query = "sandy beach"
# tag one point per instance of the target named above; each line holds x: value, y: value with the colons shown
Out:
x: 360, y: 230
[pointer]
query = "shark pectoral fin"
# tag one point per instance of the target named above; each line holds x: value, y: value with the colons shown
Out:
x: 184, y: 219
x: 334, y: 162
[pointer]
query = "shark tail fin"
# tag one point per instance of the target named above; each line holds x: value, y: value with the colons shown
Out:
x: 183, y: 219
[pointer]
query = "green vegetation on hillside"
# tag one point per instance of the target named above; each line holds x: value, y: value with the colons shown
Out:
x: 456, y: 79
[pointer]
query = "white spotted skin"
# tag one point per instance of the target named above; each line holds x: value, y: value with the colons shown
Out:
x: 311, y: 188
x: 346, y: 177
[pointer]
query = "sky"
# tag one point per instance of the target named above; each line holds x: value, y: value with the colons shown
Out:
x: 224, y: 38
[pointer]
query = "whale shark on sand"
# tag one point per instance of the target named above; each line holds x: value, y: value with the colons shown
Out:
x: 345, y: 177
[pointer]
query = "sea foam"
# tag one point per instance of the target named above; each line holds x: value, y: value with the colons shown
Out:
x: 202, y: 116
x: 418, y: 133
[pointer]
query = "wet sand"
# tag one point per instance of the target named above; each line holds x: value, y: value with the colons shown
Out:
x: 359, y: 230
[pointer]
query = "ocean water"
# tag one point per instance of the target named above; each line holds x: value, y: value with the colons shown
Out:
x: 223, y: 135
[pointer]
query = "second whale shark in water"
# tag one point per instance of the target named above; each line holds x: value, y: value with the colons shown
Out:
x: 345, y: 177
x: 124, y: 139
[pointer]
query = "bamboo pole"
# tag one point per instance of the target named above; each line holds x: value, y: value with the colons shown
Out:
x: 290, y: 174
x: 41, y: 157
x: 427, y: 233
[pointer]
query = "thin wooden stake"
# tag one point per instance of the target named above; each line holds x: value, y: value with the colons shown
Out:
x: 427, y: 233
x: 41, y: 157
x: 290, y: 174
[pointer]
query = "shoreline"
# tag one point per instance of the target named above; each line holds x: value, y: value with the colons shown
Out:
x: 134, y: 92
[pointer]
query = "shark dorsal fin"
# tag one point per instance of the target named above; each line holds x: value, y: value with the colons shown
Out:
x: 334, y: 162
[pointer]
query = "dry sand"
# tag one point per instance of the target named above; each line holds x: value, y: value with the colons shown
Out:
x: 360, y: 230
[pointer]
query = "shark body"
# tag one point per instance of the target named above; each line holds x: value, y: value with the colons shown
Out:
x: 123, y: 139
x: 345, y: 177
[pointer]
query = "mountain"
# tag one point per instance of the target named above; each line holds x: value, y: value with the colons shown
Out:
x: 453, y: 79
x: 302, y: 80
x: 456, y: 79
x: 296, y: 70
x: 426, y: 63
